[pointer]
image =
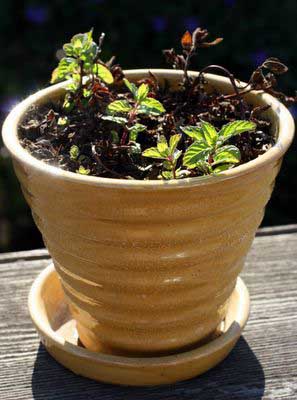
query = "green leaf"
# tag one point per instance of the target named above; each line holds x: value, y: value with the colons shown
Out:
x: 162, y: 146
x: 222, y: 167
x: 82, y: 40
x: 151, y: 106
x: 72, y: 86
x: 197, y: 152
x: 103, y: 73
x: 152, y: 152
x: 113, y: 118
x: 173, y: 142
x: 142, y: 92
x: 209, y: 132
x: 226, y: 154
x: 88, y: 55
x: 79, y: 40
x: 134, y: 130
x: 167, y: 175
x: 74, y: 152
x: 69, y: 50
x: 119, y: 106
x: 194, y: 132
x: 82, y: 47
x: 83, y: 171
x: 167, y: 165
x: 65, y: 69
x: 131, y: 86
x: 204, y: 167
x: 235, y: 128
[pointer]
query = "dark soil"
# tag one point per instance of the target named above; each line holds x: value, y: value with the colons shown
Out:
x: 47, y: 140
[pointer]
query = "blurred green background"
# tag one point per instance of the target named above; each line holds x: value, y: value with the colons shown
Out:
x: 31, y: 32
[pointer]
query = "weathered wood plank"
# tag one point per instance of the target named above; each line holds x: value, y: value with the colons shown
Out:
x: 262, y: 366
x: 277, y: 230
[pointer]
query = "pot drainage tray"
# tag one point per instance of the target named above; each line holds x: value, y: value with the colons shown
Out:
x: 56, y: 328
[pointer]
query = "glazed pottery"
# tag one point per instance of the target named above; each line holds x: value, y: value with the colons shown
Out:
x: 50, y: 314
x: 148, y: 267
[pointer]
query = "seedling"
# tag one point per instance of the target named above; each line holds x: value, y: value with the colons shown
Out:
x: 169, y: 154
x: 141, y: 104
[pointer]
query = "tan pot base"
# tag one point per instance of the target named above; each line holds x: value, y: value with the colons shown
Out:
x: 57, y: 331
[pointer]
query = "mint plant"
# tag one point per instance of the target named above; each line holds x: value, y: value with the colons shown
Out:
x: 209, y: 151
x: 83, y: 67
x: 141, y: 104
x: 109, y: 126
x: 169, y: 154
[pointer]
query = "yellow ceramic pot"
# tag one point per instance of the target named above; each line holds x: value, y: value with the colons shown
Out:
x: 148, y: 266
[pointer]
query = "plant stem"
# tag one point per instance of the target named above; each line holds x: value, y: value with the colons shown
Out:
x: 124, y: 136
x: 232, y: 80
x: 186, y: 67
x: 131, y: 118
x: 173, y: 171
x: 81, y: 67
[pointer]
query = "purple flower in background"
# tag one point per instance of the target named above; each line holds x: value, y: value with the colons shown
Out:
x: 258, y: 57
x: 229, y: 3
x: 7, y: 104
x: 159, y: 23
x: 36, y: 14
x: 293, y: 111
x: 191, y: 23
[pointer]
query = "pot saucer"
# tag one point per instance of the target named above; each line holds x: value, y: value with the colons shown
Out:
x: 57, y: 331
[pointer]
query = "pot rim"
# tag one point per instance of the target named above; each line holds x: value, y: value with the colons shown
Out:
x: 281, y: 115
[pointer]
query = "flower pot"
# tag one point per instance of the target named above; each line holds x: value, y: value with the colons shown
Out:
x: 148, y: 266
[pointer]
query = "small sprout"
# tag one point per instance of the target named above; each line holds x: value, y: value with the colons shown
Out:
x: 208, y: 146
x: 166, y: 152
x: 83, y: 171
x: 74, y: 152
x: 142, y: 104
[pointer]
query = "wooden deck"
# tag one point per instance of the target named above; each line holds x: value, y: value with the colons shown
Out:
x: 263, y: 365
